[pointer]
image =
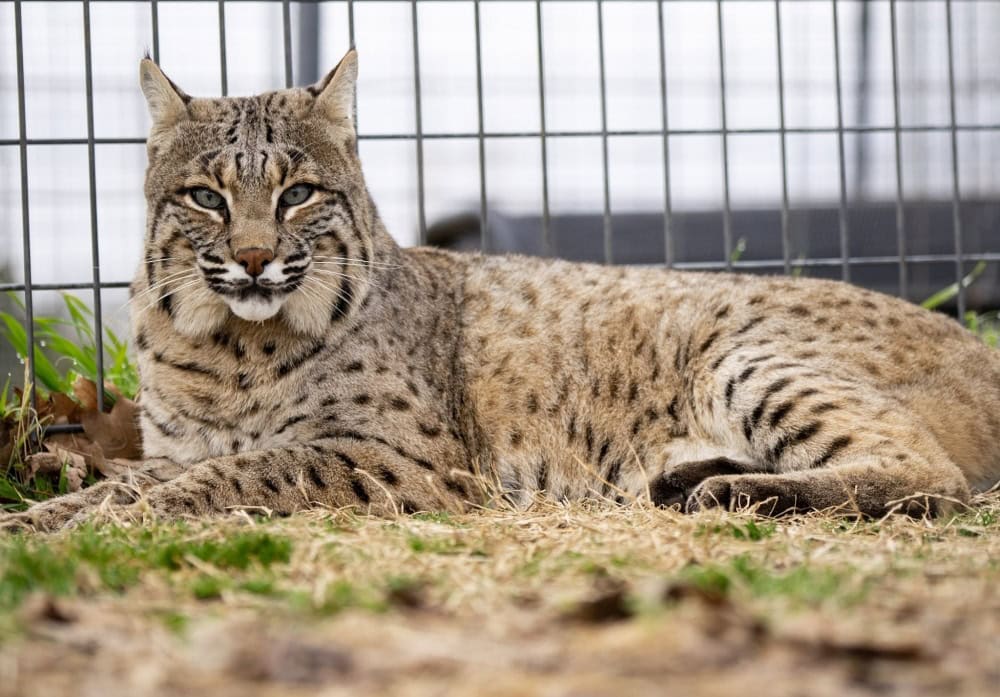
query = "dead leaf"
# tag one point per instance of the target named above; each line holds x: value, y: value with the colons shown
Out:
x: 85, y: 391
x: 7, y: 428
x: 117, y: 433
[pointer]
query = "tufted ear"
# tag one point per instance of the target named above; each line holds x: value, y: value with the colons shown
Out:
x: 335, y: 92
x: 167, y: 103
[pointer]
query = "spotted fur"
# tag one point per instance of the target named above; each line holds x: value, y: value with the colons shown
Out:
x: 351, y: 372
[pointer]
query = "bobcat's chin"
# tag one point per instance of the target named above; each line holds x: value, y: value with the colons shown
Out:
x: 255, y: 309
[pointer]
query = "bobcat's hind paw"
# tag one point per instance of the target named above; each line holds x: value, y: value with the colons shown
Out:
x: 765, y: 494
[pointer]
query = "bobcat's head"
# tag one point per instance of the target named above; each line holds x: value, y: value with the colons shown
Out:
x: 256, y: 206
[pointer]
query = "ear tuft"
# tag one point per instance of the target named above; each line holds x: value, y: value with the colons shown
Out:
x: 167, y: 103
x: 335, y: 92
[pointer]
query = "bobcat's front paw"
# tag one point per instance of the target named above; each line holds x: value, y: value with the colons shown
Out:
x: 767, y: 494
x: 47, y: 516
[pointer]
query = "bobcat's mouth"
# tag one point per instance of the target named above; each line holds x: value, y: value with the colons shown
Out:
x: 255, y: 304
x: 256, y: 298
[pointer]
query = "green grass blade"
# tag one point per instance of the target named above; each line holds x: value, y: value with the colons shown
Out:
x: 15, y: 333
x: 85, y: 361
x: 81, y: 317
x: 948, y: 293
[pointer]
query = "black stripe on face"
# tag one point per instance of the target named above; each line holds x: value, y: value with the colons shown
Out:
x: 344, y: 299
x: 341, y: 200
x: 793, y: 439
x: 835, y: 447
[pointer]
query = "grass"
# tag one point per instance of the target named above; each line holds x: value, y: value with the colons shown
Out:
x: 505, y: 602
x: 66, y: 348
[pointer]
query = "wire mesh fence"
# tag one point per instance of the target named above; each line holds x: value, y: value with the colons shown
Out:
x: 617, y: 236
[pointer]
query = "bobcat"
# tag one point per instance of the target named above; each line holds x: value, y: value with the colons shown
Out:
x: 293, y: 355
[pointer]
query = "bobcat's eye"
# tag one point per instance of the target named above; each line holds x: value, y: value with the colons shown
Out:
x: 206, y: 198
x: 295, y: 195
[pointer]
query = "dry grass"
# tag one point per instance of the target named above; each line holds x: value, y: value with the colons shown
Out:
x: 558, y: 600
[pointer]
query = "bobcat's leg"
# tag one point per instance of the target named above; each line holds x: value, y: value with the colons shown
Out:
x: 362, y: 471
x: 820, y: 442
x: 870, y: 487
x: 57, y: 512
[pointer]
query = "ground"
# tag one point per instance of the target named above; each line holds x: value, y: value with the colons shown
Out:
x: 584, y: 599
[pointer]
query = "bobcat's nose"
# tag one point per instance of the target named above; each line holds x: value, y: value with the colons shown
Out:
x: 254, y: 259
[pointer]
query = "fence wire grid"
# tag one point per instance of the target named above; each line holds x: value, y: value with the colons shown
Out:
x: 301, y: 45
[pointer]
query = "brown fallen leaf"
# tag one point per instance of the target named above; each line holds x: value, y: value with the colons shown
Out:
x: 85, y: 391
x: 117, y: 432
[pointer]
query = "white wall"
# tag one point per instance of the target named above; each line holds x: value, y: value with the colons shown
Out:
x: 121, y: 31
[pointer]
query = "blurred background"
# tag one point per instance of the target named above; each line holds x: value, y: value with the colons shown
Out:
x: 849, y: 139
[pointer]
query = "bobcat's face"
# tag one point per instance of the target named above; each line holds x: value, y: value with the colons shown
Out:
x: 256, y: 205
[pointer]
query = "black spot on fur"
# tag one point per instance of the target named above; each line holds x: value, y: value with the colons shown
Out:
x: 315, y: 477
x: 780, y: 413
x: 399, y: 404
x: 291, y: 422
x: 532, y: 404
x: 430, y: 430
x: 749, y: 325
x: 346, y: 459
x: 708, y: 342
